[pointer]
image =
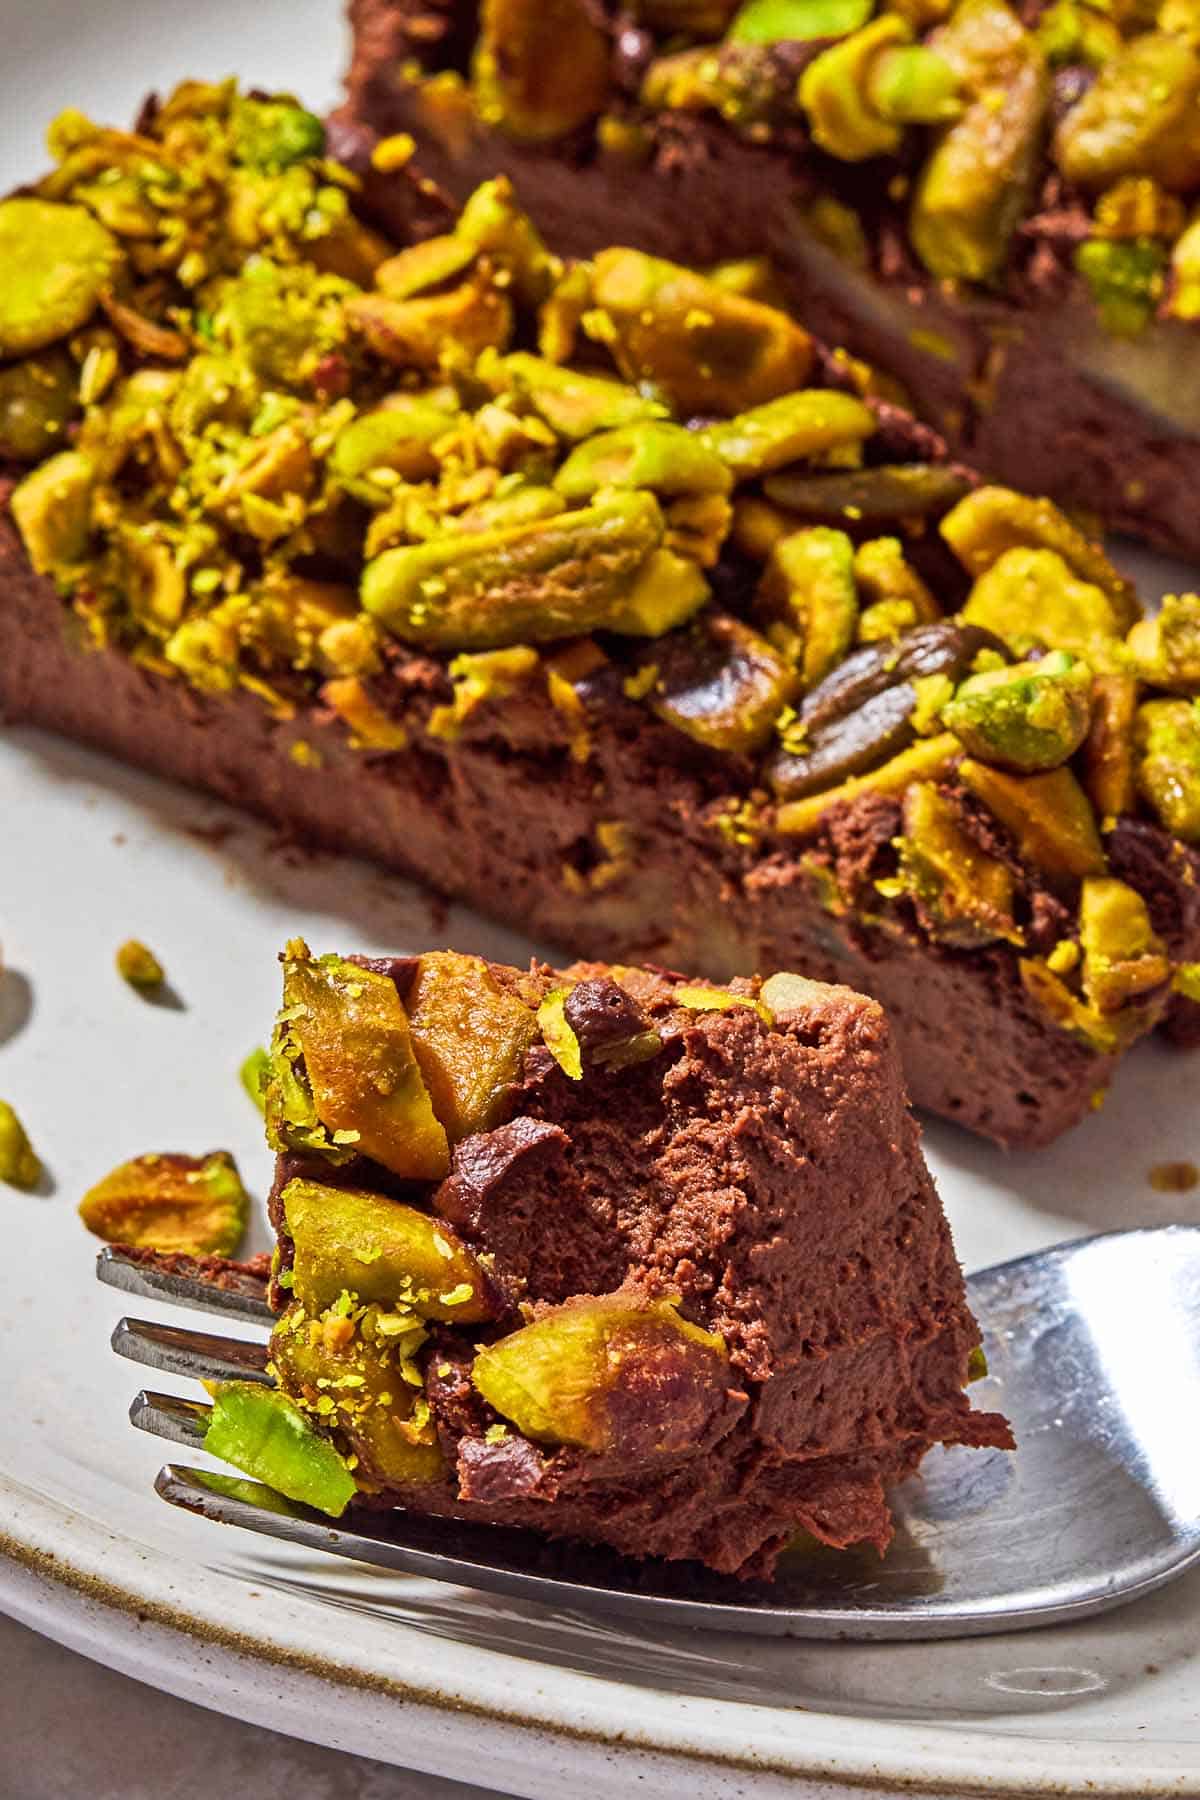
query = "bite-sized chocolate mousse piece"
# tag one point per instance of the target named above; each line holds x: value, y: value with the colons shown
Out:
x: 599, y: 598
x: 994, y: 204
x: 604, y: 1253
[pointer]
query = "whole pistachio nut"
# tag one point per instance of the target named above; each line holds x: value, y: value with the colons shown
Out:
x: 791, y: 429
x: 57, y: 261
x: 541, y: 67
x: 573, y: 403
x: 38, y: 399
x: 862, y: 713
x: 668, y: 459
x: 1028, y: 716
x: 707, y: 350
x: 809, y: 598
x: 841, y: 97
x: 721, y: 683
x: 555, y: 578
x: 890, y: 496
x: 974, y: 188
x: 991, y: 520
x: 1167, y: 764
x: 1140, y: 117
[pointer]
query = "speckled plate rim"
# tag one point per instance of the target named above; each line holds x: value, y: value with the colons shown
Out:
x: 225, y: 1644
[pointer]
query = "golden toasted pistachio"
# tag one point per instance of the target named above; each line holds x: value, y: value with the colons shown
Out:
x: 966, y: 894
x: 52, y: 509
x: 781, y: 21
x: 20, y: 1165
x: 1029, y: 716
x: 975, y: 186
x: 433, y: 263
x: 361, y: 1082
x: 721, y: 683
x: 929, y: 760
x: 377, y: 1249
x: 38, y: 399
x: 138, y: 965
x: 558, y: 1034
x: 414, y: 334
x: 575, y: 1375
x: 541, y: 67
x: 860, y: 93
x: 534, y: 583
x: 57, y: 260
x: 668, y: 459
x: 1140, y: 117
x: 1071, y: 32
x: 1049, y: 815
x: 877, y: 499
x: 885, y: 577
x: 1108, y: 749
x: 697, y: 998
x: 192, y: 1204
x: 1107, y: 1033
x: 1167, y: 764
x: 488, y: 675
x: 992, y: 520
x: 1183, y: 298
x: 359, y: 1386
x: 791, y: 429
x: 573, y: 404
x: 709, y: 351
x: 397, y: 439
x: 371, y: 726
x: 1123, y: 957
x: 494, y: 225
x: 470, y: 1037
x: 1166, y: 648
x: 1030, y: 598
x: 808, y: 595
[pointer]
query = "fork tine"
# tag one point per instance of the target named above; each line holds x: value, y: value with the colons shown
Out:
x: 168, y: 1416
x: 175, y: 1350
x: 119, y: 1269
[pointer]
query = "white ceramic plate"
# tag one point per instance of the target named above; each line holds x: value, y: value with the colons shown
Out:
x: 533, y: 1702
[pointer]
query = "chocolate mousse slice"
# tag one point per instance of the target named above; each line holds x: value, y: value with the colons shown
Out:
x: 607, y: 1253
x: 993, y: 204
x: 599, y: 598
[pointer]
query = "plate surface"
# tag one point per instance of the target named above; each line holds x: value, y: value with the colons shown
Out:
x: 522, y: 1698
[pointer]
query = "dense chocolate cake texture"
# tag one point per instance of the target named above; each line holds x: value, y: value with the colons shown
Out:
x: 994, y: 204
x: 598, y: 597
x: 606, y: 1254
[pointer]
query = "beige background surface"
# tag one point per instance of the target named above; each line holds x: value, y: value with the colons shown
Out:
x: 72, y: 1730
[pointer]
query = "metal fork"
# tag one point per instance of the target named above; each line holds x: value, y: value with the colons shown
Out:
x: 1093, y: 1351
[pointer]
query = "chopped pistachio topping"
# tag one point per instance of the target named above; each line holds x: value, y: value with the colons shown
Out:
x: 192, y: 1204
x: 19, y: 1162
x: 139, y: 966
